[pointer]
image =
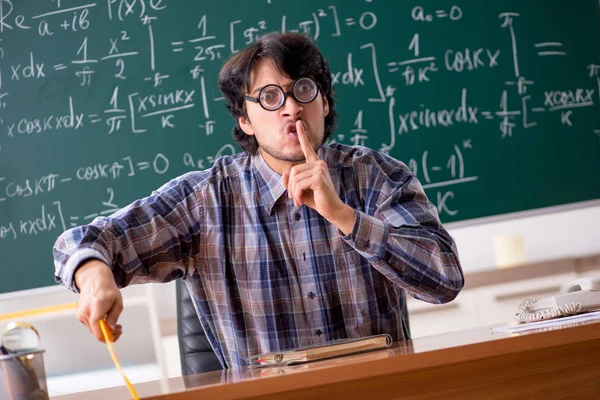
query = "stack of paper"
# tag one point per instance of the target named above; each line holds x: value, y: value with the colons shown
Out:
x: 548, y: 323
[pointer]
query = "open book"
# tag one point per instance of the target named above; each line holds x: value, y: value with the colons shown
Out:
x: 335, y: 348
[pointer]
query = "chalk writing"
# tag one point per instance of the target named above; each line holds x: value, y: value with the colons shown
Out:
x: 102, y: 102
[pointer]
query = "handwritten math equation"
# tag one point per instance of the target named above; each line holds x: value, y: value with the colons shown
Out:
x: 149, y: 76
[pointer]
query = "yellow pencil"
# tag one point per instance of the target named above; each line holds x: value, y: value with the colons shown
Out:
x: 113, y: 355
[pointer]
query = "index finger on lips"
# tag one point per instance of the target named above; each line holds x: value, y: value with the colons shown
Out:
x: 307, y: 149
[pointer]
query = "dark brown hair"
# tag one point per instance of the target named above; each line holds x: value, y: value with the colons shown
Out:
x: 295, y: 56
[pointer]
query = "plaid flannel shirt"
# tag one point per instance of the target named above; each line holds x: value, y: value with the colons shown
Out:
x: 268, y: 276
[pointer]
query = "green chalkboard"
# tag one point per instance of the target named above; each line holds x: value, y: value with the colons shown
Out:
x: 494, y: 105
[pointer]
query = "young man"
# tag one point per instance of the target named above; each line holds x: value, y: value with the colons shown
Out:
x: 292, y: 243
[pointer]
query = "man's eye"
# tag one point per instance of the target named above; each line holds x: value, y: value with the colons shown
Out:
x: 269, y: 97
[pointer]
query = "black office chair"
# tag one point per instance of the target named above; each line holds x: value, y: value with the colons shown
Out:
x: 196, y: 352
x: 405, y: 322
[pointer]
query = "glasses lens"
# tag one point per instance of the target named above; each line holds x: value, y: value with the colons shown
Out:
x: 305, y: 90
x: 271, y: 97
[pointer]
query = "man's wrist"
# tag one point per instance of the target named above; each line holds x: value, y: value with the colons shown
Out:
x: 90, y: 269
x: 344, y: 219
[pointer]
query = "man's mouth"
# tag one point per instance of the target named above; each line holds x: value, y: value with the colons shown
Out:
x: 290, y: 128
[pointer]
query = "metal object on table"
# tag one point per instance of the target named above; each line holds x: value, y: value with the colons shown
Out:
x: 22, y: 364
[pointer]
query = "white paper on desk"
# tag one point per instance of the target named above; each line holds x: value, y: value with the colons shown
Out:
x: 548, y: 323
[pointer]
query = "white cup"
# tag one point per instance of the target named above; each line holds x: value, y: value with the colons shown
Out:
x: 509, y: 250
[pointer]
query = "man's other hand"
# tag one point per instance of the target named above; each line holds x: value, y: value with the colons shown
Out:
x: 99, y: 298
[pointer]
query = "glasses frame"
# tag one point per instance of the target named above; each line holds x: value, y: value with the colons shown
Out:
x: 285, y: 94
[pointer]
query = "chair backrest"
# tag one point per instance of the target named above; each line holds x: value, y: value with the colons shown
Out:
x: 196, y: 352
x: 405, y: 322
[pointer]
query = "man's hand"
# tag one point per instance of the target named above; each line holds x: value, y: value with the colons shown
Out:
x: 99, y: 297
x: 311, y: 184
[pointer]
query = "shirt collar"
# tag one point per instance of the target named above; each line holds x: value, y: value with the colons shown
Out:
x: 270, y: 187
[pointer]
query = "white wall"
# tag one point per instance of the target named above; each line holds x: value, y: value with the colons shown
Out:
x: 546, y: 236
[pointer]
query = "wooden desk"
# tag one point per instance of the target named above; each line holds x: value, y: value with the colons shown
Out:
x: 479, y: 363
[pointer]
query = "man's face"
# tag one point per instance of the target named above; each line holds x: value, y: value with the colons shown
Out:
x: 275, y: 131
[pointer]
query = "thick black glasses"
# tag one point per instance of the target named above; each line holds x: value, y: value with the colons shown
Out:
x: 272, y: 97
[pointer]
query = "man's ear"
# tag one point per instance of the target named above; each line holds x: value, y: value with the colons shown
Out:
x: 325, y: 107
x: 245, y: 125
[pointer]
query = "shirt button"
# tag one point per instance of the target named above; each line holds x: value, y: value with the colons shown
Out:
x: 297, y: 216
x: 311, y: 295
x: 319, y: 333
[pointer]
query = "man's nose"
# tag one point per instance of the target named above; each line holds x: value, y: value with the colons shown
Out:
x: 291, y: 108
